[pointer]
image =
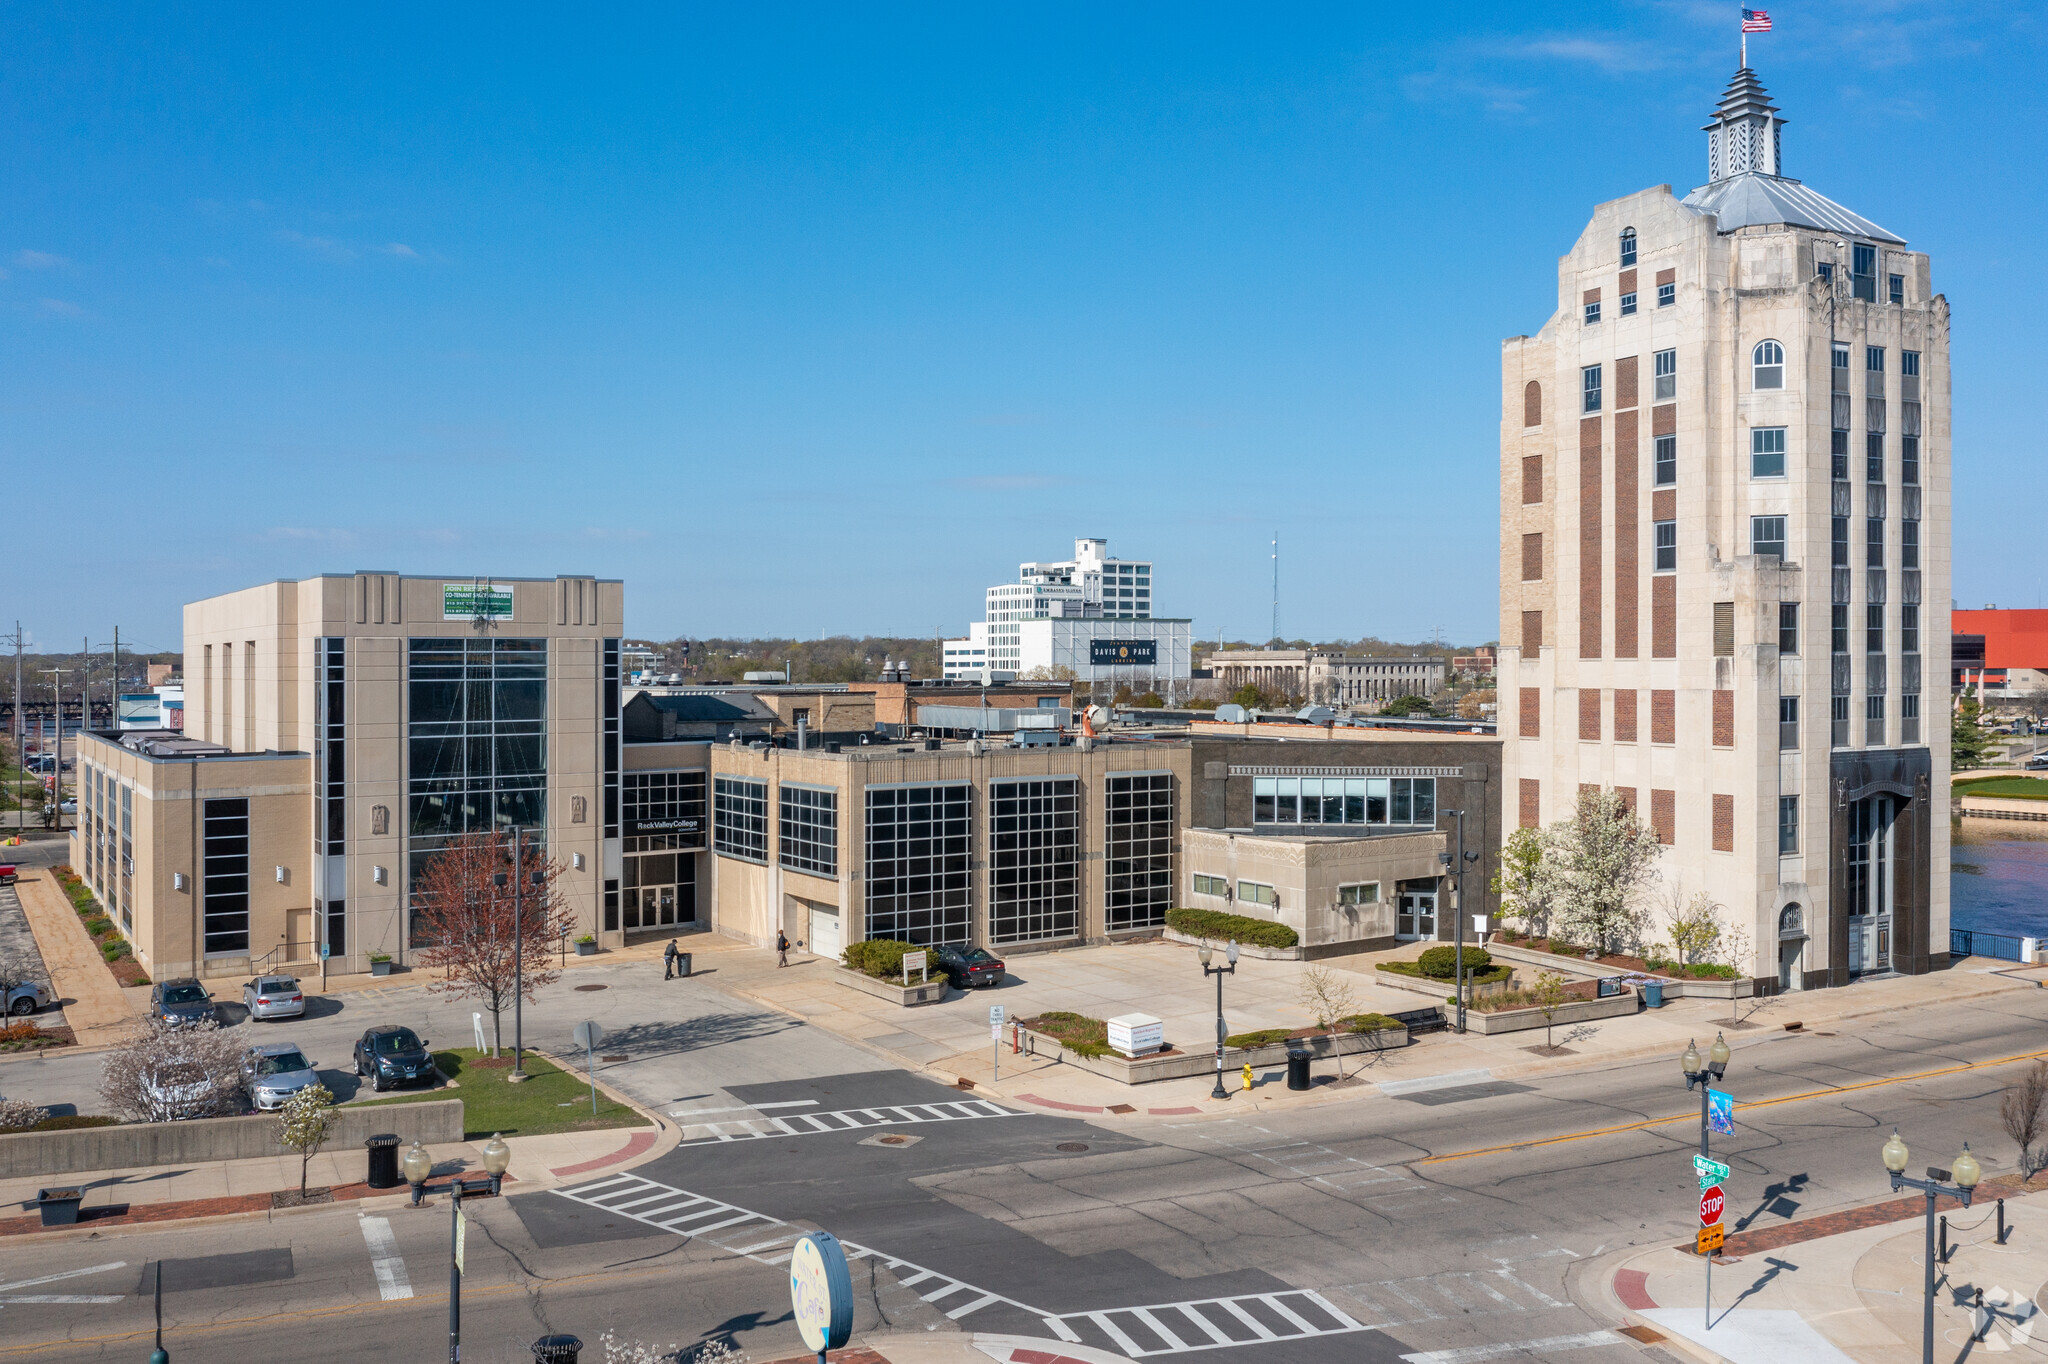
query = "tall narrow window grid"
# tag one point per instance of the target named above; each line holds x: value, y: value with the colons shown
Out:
x: 330, y: 761
x: 1628, y: 304
x: 1873, y: 542
x: 809, y: 829
x: 1788, y: 825
x: 1767, y: 452
x: 1667, y: 294
x: 1838, y: 721
x: 919, y: 851
x: 1838, y: 555
x: 1767, y: 535
x: 1838, y: 629
x: 1666, y: 472
x: 739, y: 818
x: 1589, y: 388
x: 225, y: 885
x: 1909, y: 628
x: 1665, y: 546
x: 1628, y: 247
x: 663, y: 811
x: 1788, y: 629
x: 1138, y: 849
x: 1034, y: 859
x: 1873, y: 627
x: 1909, y: 544
x: 1664, y: 365
x: 610, y: 683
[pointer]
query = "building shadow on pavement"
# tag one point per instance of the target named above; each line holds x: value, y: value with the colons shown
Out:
x: 647, y: 1041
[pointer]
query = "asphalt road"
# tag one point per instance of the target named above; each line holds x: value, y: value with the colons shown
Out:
x: 1465, y: 1216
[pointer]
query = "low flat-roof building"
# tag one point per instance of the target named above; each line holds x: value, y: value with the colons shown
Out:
x: 1327, y: 677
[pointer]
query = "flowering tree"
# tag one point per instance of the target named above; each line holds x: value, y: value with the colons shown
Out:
x: 167, y: 1072
x: 468, y: 917
x: 1524, y: 882
x: 303, y: 1125
x: 1601, y: 858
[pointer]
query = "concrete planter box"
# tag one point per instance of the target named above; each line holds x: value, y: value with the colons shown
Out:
x: 1145, y: 1069
x: 586, y: 949
x: 1243, y: 949
x: 1577, y: 1011
x: 1578, y: 968
x: 129, y: 1146
x: 909, y: 996
x: 1438, y: 990
x: 380, y: 968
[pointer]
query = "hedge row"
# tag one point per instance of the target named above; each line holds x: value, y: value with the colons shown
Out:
x: 1217, y: 926
x: 1484, y: 977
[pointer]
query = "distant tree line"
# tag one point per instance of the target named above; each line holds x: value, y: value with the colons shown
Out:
x: 838, y: 658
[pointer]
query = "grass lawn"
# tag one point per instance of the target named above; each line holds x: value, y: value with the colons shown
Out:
x: 553, y: 1100
x: 2008, y: 788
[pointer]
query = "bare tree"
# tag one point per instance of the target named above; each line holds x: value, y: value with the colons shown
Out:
x: 1550, y: 997
x: 468, y: 918
x: 1695, y: 924
x: 165, y: 1073
x: 1327, y: 996
x: 2024, y: 1111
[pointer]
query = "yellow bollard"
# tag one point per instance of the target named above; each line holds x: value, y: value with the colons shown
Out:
x: 1247, y: 1075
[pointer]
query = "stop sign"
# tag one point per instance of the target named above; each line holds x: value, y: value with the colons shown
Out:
x: 1710, y: 1206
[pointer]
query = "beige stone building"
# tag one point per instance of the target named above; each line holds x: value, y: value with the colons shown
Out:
x: 346, y: 727
x: 1326, y: 677
x: 1725, y: 555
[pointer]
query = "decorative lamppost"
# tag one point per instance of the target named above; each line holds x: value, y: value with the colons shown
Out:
x: 1965, y: 1172
x: 1219, y: 1092
x: 418, y: 1165
x: 1704, y: 1076
x: 497, y: 1155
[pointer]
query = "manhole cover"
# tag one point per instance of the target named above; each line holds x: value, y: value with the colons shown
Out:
x: 588, y: 988
x: 890, y: 1139
x: 1071, y: 1146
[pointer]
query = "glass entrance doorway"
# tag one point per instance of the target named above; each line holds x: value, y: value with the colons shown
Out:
x: 1870, y: 883
x: 1417, y: 910
x: 660, y: 891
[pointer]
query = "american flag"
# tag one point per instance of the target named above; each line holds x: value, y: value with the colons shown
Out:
x: 1756, y: 21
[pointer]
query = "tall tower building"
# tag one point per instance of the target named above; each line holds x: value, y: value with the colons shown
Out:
x: 1725, y: 556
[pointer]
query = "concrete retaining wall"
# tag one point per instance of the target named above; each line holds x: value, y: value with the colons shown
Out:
x: 1144, y: 1069
x: 917, y: 992
x: 1578, y: 968
x: 34, y: 1155
x: 1577, y: 1011
x: 1244, y: 949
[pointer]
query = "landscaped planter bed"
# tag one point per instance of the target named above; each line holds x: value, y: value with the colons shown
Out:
x: 915, y: 993
x: 1675, y: 987
x: 1243, y: 949
x: 1174, y: 1064
x: 1572, y: 1011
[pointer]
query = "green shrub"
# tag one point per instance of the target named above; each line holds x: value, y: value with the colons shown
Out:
x: 1264, y: 1037
x: 1441, y: 963
x: 881, y: 958
x: 71, y: 1121
x: 1217, y: 926
x: 1367, y: 1023
x: 1714, y: 971
x: 1078, y: 1033
x: 1495, y: 972
x: 99, y: 926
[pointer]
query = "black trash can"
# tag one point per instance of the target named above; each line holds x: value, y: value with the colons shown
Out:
x: 1297, y: 1067
x: 556, y: 1350
x: 682, y: 963
x: 383, y: 1150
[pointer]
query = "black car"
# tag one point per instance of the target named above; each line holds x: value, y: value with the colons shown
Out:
x: 394, y: 1056
x: 968, y: 967
x: 179, y: 1003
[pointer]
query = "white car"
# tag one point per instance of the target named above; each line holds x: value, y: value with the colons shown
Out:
x: 274, y: 997
x: 29, y: 996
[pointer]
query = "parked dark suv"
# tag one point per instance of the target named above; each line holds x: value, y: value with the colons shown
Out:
x: 179, y: 1003
x: 394, y: 1056
x: 967, y: 967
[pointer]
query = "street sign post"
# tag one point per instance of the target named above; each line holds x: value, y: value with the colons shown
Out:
x: 1710, y: 1240
x: 995, y: 1036
x: 588, y: 1035
x: 1711, y: 1172
x: 1711, y: 1203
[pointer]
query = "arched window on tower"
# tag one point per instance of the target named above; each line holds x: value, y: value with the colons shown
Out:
x: 1532, y: 404
x: 1628, y: 247
x: 1769, y: 362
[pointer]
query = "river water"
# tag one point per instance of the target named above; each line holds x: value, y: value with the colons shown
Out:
x: 1998, y: 877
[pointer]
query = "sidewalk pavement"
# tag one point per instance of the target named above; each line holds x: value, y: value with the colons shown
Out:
x: 1846, y: 1286
x: 99, y: 1011
x: 950, y: 1040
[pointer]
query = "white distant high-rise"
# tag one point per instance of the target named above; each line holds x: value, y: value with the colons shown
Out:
x: 1091, y: 614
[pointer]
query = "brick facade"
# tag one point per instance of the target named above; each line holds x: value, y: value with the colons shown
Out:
x: 1663, y: 717
x: 1532, y: 480
x: 1664, y: 616
x: 1664, y: 816
x: 1532, y: 404
x: 1529, y: 810
x: 1530, y: 725
x: 1724, y: 719
x: 1724, y: 824
x: 1589, y: 714
x: 1532, y: 633
x: 1532, y: 557
x: 1590, y: 586
x: 1627, y: 533
x: 1625, y: 716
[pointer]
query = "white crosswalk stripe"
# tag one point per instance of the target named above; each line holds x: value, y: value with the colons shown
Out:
x: 1209, y: 1323
x: 840, y: 1120
x: 769, y: 1240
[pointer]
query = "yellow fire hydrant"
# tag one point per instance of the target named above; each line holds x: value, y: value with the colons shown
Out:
x: 1247, y: 1075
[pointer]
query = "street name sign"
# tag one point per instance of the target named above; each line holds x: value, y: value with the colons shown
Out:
x: 1705, y: 1168
x: 1710, y: 1239
x: 1711, y: 1203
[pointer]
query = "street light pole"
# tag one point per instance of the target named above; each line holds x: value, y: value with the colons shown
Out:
x: 1458, y: 895
x: 455, y: 1271
x: 1219, y: 1092
x: 1966, y: 1173
x: 518, y: 959
x: 1704, y: 1076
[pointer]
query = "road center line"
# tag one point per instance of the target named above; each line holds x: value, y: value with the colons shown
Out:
x: 385, y: 1260
x: 1692, y: 1115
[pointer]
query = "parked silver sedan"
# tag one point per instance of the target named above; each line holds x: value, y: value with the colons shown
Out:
x: 274, y: 997
x: 29, y: 996
x: 274, y: 1071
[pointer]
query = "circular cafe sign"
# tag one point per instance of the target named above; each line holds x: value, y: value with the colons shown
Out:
x: 821, y: 1291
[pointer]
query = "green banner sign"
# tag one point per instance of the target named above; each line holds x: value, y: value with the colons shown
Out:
x: 468, y: 601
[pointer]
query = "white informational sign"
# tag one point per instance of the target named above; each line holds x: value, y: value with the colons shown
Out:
x: 912, y: 961
x: 995, y: 1013
x: 1136, y: 1034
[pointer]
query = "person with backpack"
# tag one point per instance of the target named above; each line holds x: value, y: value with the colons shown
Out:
x: 668, y: 960
x: 781, y: 948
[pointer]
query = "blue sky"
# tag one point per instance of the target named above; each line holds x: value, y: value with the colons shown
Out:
x: 821, y: 318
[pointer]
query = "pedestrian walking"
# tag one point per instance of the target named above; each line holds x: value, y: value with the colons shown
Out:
x: 781, y: 948
x: 668, y: 960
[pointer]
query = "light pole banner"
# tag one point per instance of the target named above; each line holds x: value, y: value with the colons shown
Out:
x: 1720, y: 1113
